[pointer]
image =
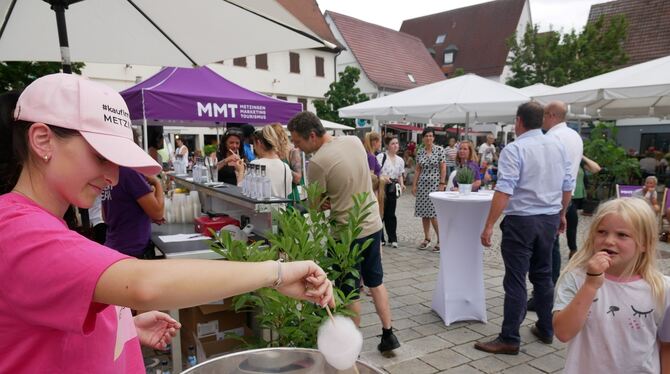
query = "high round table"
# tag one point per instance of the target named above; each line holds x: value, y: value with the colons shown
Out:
x: 459, y: 293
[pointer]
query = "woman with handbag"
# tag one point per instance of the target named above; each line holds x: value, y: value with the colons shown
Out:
x: 392, y: 168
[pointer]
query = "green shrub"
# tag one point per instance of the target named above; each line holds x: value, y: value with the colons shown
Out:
x: 295, y: 323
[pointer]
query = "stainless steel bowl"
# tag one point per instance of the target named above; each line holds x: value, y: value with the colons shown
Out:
x: 274, y: 360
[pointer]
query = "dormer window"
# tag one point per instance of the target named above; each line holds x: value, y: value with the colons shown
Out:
x: 448, y: 57
x: 411, y: 78
x: 440, y: 38
x: 450, y: 54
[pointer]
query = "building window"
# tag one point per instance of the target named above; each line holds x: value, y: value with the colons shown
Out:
x: 319, y: 66
x: 303, y: 101
x: 440, y: 38
x: 448, y: 57
x: 240, y: 61
x: 282, y: 98
x: 411, y: 77
x: 450, y: 54
x: 295, y: 62
x: 262, y: 61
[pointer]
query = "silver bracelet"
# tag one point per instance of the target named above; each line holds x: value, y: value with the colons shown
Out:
x: 278, y: 281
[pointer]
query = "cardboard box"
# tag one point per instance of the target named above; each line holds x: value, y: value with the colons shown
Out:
x: 204, y: 327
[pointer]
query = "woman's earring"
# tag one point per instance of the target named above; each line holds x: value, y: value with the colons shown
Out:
x: 46, y: 158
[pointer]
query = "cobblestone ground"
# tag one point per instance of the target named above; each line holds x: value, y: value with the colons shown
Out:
x: 428, y: 346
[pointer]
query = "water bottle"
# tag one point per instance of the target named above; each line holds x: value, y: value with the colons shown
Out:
x: 255, y: 182
x: 196, y: 173
x: 191, y: 360
x: 267, y: 184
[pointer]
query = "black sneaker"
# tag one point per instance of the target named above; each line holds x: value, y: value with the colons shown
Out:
x: 388, y: 343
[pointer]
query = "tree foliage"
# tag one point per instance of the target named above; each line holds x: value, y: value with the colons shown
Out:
x: 15, y: 75
x: 341, y: 93
x: 557, y: 60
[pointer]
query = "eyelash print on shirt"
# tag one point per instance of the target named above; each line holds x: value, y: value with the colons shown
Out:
x: 637, y: 313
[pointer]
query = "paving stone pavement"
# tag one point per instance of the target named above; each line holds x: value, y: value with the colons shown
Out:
x: 428, y: 346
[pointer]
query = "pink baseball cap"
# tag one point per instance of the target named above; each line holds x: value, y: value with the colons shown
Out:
x: 95, y: 110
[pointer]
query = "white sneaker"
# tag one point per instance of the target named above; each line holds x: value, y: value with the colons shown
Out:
x: 394, y: 244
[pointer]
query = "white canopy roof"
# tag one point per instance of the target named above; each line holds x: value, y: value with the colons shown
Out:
x: 329, y: 125
x: 451, y: 100
x: 634, y: 91
x: 149, y: 32
x: 537, y: 89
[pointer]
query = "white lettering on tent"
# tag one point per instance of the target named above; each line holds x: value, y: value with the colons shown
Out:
x: 204, y: 108
x: 232, y: 108
x: 217, y: 110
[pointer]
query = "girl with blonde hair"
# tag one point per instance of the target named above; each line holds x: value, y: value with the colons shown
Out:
x: 611, y: 298
x: 292, y: 156
x: 267, y: 145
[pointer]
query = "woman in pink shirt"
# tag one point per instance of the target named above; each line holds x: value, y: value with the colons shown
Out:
x: 65, y: 300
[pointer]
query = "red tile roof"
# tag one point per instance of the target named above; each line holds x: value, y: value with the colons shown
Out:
x: 648, y: 26
x: 387, y: 56
x: 308, y: 12
x: 479, y: 32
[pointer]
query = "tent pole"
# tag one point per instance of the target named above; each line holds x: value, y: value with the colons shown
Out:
x: 145, y: 135
x: 59, y: 8
x: 467, y: 123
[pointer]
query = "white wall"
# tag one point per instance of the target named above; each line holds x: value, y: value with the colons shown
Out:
x: 524, y: 19
x: 118, y: 76
x: 346, y: 58
x: 277, y: 80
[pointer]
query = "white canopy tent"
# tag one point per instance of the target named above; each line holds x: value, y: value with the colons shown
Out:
x: 641, y: 90
x: 456, y: 100
x: 329, y: 125
x: 148, y: 32
x: 537, y: 89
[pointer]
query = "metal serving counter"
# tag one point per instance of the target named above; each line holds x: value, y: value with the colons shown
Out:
x: 228, y: 199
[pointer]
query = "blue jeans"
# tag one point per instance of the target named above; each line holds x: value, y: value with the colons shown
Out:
x: 527, y: 249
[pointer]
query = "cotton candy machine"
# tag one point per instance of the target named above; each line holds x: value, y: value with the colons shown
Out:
x: 274, y: 360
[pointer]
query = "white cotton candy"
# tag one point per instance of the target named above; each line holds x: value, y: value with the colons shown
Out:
x: 340, y: 343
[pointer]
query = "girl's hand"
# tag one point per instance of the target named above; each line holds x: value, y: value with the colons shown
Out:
x: 239, y: 165
x: 598, y: 264
x: 155, y: 329
x: 305, y: 280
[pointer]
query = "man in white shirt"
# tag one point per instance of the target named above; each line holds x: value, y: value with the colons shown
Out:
x: 487, y: 151
x: 554, y: 125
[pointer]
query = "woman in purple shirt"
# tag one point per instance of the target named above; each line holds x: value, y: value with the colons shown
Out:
x: 467, y: 157
x: 373, y: 144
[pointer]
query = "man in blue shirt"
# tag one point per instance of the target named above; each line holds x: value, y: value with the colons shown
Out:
x: 533, y: 191
x: 248, y: 131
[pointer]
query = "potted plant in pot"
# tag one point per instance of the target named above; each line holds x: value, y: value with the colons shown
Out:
x: 617, y: 166
x: 465, y: 177
x: 286, y: 322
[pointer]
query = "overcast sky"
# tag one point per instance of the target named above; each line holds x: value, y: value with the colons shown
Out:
x: 559, y: 14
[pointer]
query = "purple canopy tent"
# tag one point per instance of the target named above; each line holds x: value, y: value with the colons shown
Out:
x: 201, y: 95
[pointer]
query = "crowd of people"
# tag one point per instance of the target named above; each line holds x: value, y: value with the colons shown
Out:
x: 67, y: 300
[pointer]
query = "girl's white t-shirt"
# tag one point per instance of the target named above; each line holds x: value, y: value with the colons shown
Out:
x: 621, y: 329
x: 279, y: 173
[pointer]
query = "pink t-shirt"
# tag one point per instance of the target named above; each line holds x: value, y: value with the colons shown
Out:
x: 48, y: 320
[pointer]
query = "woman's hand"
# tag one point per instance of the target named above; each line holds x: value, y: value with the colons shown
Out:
x: 155, y: 329
x: 414, y: 189
x: 598, y: 264
x: 441, y: 187
x: 305, y: 280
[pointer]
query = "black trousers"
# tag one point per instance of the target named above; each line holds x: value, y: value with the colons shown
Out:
x: 526, y: 249
x: 390, y: 220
